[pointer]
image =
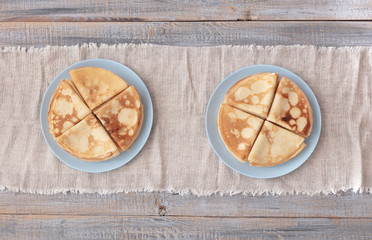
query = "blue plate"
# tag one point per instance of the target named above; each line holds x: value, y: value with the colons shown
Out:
x: 244, y: 168
x: 132, y: 79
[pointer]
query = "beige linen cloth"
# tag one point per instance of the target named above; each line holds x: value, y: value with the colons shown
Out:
x: 177, y: 156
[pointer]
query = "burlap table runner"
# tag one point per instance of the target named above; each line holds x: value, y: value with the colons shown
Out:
x: 177, y: 156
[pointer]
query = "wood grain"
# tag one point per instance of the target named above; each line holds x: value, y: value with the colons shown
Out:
x: 188, y: 33
x: 165, y: 204
x: 121, y: 227
x: 196, y: 10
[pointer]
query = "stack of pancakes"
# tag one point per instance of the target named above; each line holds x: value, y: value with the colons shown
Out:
x: 95, y: 115
x: 263, y: 120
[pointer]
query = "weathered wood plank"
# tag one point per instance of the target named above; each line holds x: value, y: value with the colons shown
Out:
x: 197, y: 10
x: 189, y: 33
x: 165, y: 204
x: 117, y: 227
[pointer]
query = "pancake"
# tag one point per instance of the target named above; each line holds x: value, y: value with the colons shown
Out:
x: 66, y: 108
x: 238, y: 130
x: 275, y: 145
x: 88, y: 141
x: 96, y: 85
x: 122, y: 117
x: 291, y: 109
x: 253, y: 94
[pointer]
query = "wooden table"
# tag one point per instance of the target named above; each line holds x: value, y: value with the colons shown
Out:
x: 194, y: 23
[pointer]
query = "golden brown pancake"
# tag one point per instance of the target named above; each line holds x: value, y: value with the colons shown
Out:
x: 291, y: 109
x: 66, y: 108
x: 88, y: 141
x: 96, y: 85
x: 238, y: 130
x: 122, y: 117
x: 253, y: 94
x: 275, y: 145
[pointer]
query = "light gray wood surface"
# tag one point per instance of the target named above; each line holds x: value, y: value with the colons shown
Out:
x: 194, y: 10
x: 345, y: 205
x: 164, y: 215
x: 323, y: 33
x: 137, y: 227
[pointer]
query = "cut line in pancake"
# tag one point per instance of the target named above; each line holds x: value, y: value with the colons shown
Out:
x: 291, y: 108
x: 66, y: 109
x: 96, y: 85
x: 275, y: 145
x: 88, y: 140
x: 238, y: 130
x: 253, y: 94
x: 122, y: 117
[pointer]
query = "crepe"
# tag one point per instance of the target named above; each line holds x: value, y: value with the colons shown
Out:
x: 275, y: 145
x: 66, y: 108
x: 238, y: 130
x: 88, y: 140
x: 253, y: 94
x: 122, y: 117
x: 291, y: 109
x: 96, y: 85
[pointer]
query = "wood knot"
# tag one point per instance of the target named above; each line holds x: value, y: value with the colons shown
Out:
x: 162, y: 210
x: 248, y: 17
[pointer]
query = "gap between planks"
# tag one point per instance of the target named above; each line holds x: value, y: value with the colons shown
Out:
x: 125, y: 20
x: 182, y: 216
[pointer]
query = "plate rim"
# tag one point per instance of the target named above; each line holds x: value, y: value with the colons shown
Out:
x: 209, y: 107
x: 46, y: 131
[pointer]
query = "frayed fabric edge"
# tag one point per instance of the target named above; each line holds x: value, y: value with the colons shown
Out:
x: 145, y: 45
x: 183, y: 192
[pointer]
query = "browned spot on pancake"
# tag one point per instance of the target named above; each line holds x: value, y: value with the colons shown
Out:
x: 266, y: 132
x: 113, y: 123
x: 307, y: 127
x: 91, y: 141
x: 106, y: 120
x: 286, y: 118
x: 92, y: 98
x: 285, y: 95
x: 268, y: 136
x: 58, y: 123
x: 62, y: 96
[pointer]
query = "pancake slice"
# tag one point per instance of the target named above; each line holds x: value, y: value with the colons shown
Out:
x: 238, y: 130
x: 253, y: 94
x: 122, y: 117
x: 275, y: 145
x: 291, y: 109
x: 88, y: 141
x: 66, y: 108
x: 96, y: 85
